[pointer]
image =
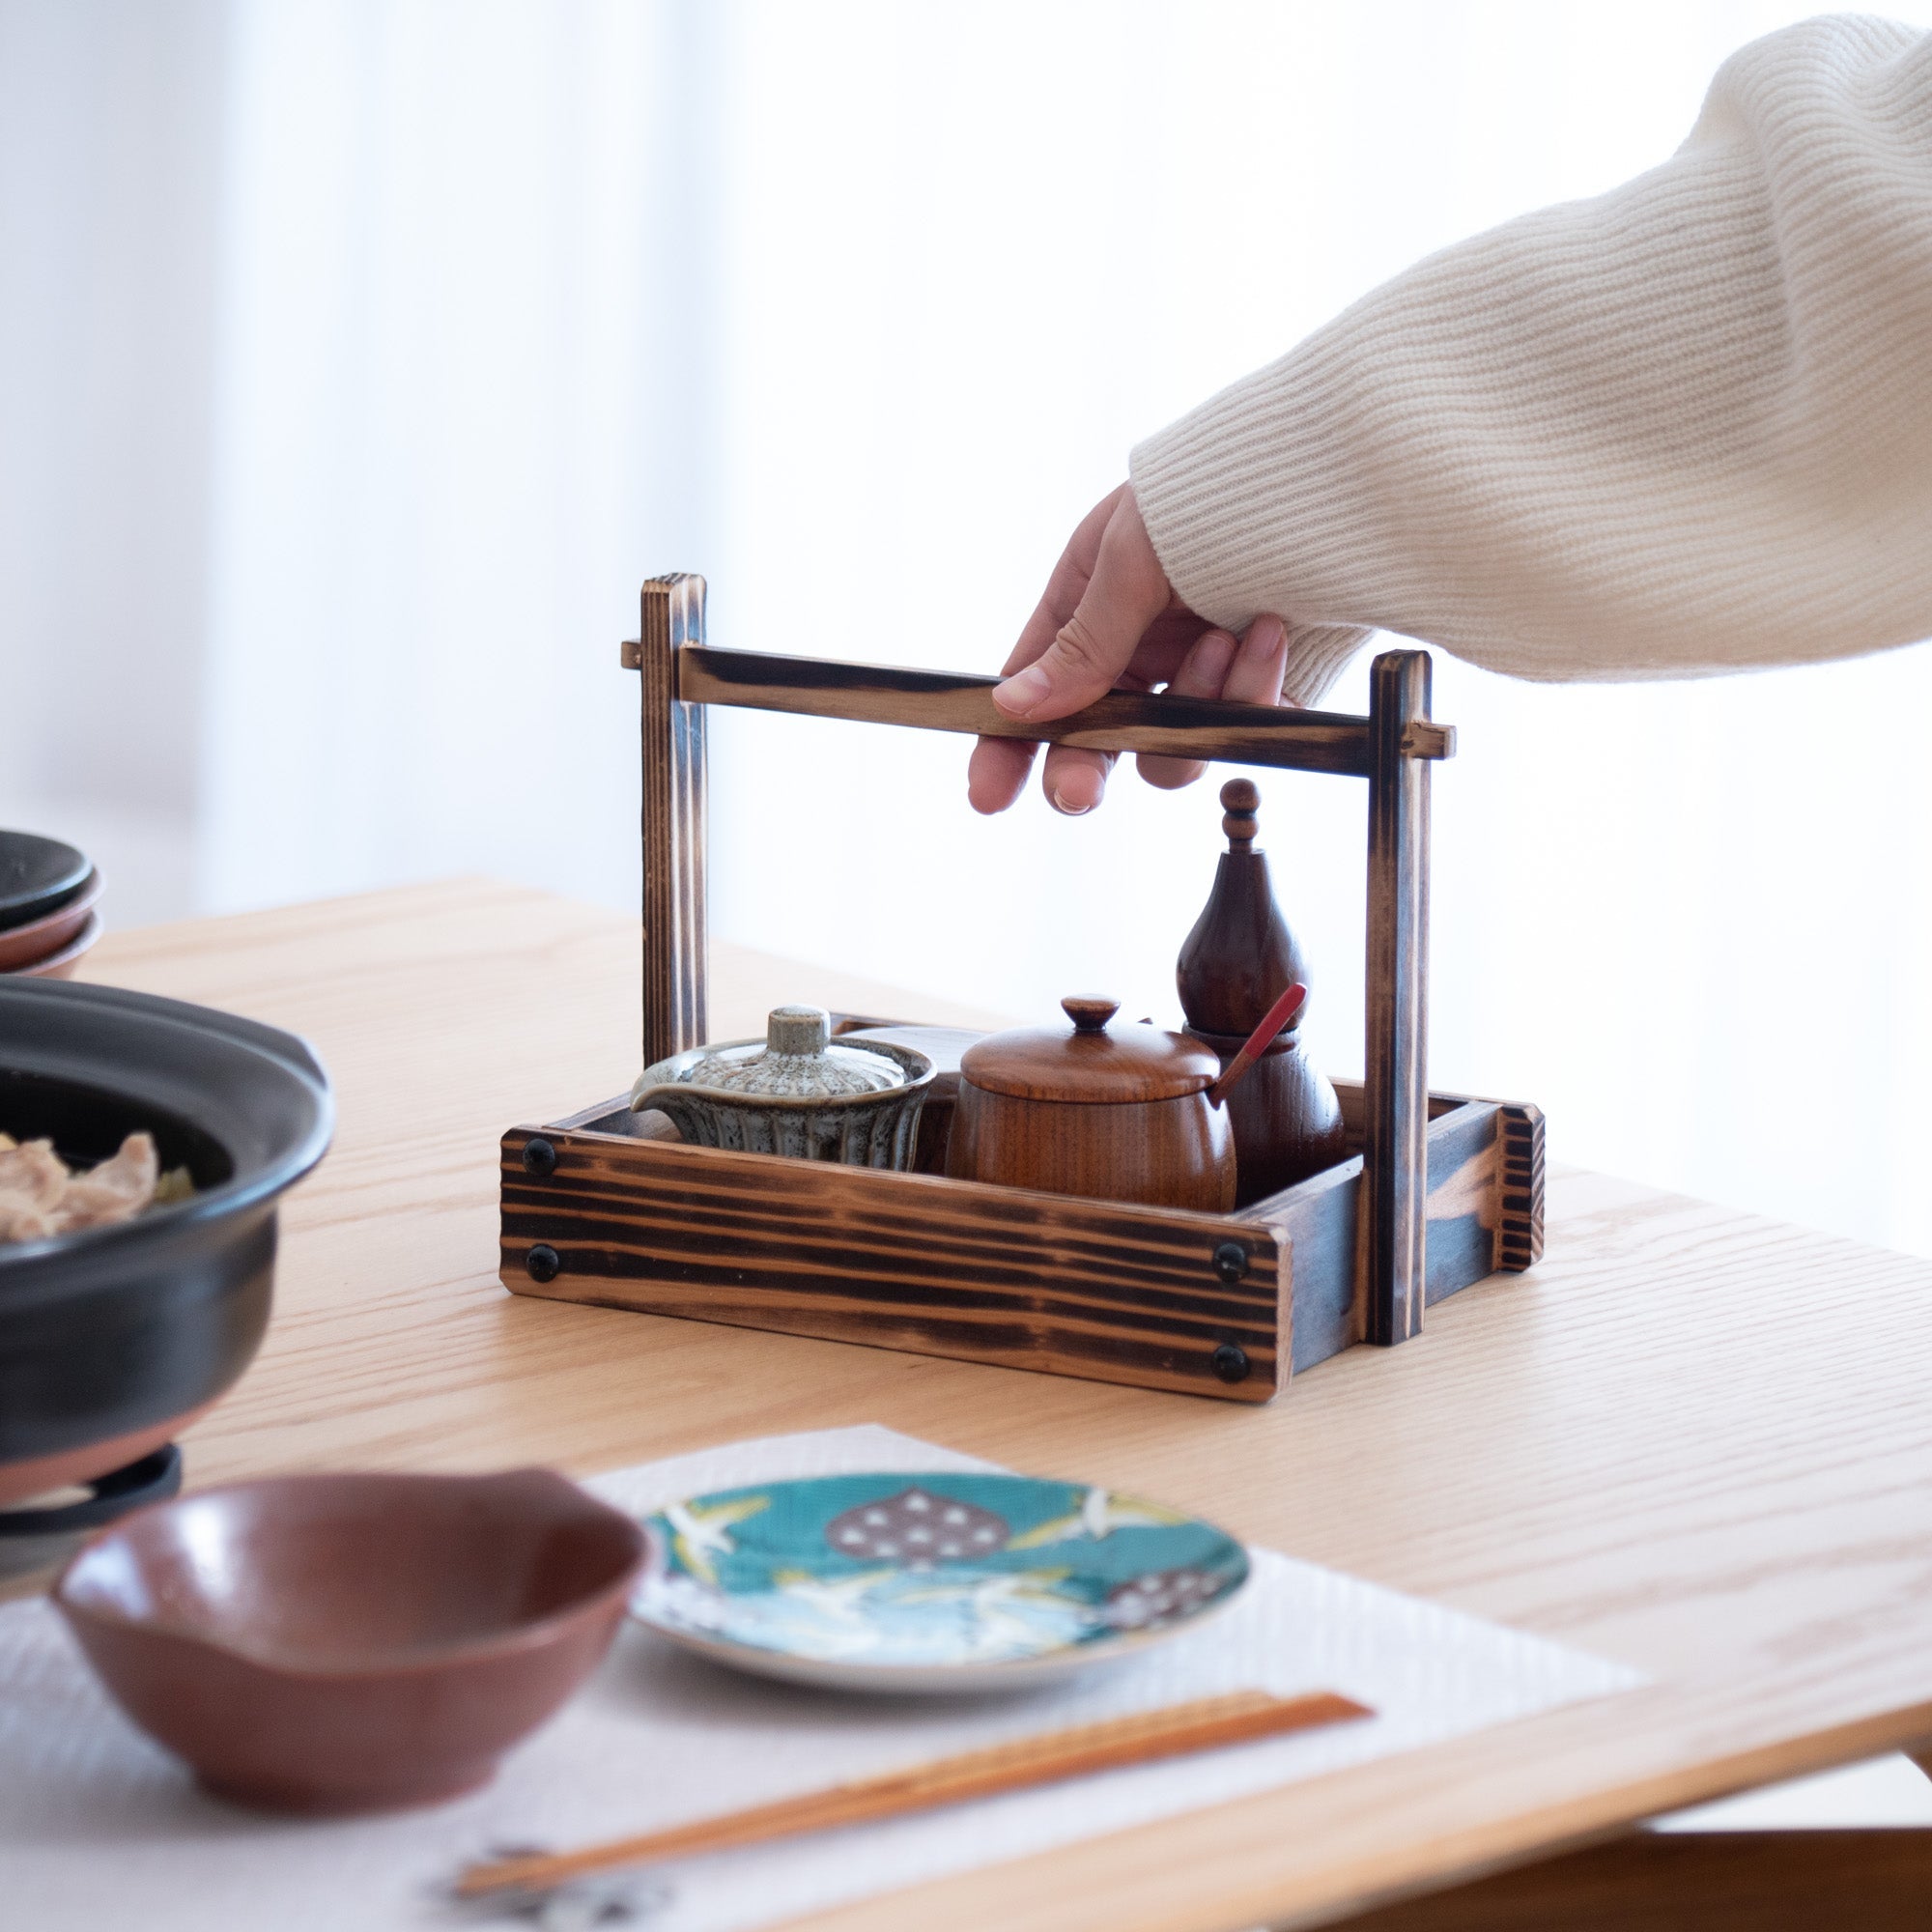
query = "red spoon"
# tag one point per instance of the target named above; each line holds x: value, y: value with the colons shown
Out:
x: 1258, y: 1041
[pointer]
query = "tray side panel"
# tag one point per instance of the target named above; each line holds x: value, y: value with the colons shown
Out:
x: 1093, y: 1289
x: 1318, y: 1222
x: 1518, y: 1181
x: 1519, y: 1229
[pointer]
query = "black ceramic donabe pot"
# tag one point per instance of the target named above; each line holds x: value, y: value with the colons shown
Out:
x: 113, y: 1339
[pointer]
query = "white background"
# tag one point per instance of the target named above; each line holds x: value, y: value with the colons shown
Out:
x: 357, y: 360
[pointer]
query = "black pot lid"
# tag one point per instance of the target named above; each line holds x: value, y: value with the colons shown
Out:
x: 36, y: 875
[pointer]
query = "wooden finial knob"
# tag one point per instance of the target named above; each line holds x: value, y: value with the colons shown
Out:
x: 1238, y: 799
x: 1089, y: 1016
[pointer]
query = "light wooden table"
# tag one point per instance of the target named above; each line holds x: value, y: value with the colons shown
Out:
x: 1694, y: 1440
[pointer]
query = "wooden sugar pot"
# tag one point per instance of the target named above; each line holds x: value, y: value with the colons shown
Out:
x: 1119, y: 1112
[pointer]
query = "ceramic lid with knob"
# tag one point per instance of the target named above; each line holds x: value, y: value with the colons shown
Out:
x: 1092, y: 1061
x: 797, y: 1061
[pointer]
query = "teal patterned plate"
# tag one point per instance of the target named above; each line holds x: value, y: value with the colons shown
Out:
x: 934, y: 1583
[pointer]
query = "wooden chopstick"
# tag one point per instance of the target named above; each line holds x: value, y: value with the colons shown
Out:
x: 1171, y: 1732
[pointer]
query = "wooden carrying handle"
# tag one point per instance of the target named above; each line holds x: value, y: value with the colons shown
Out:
x: 1124, y: 721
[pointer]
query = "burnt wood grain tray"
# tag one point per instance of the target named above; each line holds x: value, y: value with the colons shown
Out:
x: 1438, y: 1192
x: 1210, y: 1304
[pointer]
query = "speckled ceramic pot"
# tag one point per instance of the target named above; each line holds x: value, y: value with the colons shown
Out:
x: 796, y: 1092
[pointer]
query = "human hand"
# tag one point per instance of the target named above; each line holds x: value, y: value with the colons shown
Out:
x: 1110, y: 621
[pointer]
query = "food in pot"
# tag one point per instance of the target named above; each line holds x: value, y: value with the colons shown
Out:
x: 40, y: 1195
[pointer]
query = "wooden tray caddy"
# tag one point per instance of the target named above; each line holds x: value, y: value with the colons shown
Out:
x: 1441, y: 1191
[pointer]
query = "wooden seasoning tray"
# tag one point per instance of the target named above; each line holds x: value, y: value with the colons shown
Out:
x: 1438, y: 1192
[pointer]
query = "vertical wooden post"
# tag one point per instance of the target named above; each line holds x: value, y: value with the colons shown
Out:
x: 1396, y: 1092
x: 675, y: 954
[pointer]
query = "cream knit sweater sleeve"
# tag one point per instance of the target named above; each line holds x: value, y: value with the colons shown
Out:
x: 1684, y: 427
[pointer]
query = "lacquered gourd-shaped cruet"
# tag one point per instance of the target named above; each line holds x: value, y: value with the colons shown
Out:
x: 1238, y: 961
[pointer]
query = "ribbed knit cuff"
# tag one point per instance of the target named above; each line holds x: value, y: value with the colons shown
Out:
x: 1197, y: 503
x: 1225, y: 515
x: 1316, y: 655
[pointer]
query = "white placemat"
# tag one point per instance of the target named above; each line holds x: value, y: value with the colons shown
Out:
x: 99, y: 1828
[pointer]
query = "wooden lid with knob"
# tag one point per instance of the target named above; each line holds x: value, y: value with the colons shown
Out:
x: 1092, y: 1063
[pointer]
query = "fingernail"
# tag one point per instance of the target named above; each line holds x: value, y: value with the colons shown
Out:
x: 1212, y: 656
x: 1265, y: 637
x: 1021, y: 692
x: 1061, y: 806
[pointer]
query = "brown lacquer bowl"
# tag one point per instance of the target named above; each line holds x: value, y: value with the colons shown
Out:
x: 355, y: 1642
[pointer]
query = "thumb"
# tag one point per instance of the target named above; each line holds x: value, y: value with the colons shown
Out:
x: 1127, y: 592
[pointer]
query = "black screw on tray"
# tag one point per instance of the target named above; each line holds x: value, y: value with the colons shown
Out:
x: 1230, y: 1261
x: 1230, y: 1363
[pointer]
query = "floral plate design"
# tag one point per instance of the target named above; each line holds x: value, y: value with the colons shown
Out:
x: 935, y: 1582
